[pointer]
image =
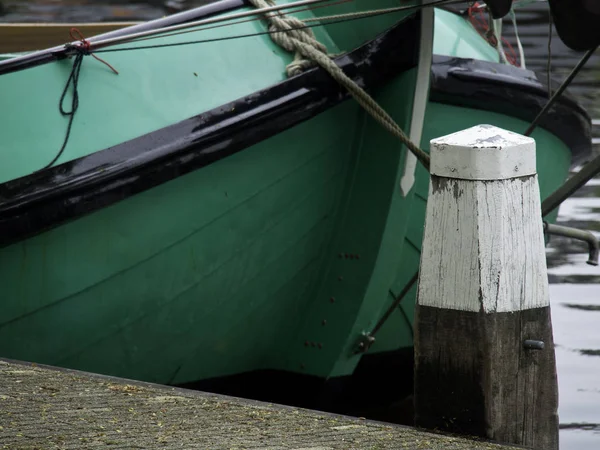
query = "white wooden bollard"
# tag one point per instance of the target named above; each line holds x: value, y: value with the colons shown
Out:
x: 484, y: 350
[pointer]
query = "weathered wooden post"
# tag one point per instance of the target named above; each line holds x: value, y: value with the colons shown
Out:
x: 484, y: 351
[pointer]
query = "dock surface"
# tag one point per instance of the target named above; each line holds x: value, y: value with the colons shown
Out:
x: 49, y: 408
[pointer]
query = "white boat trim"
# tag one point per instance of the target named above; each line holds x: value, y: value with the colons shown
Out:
x: 420, y: 98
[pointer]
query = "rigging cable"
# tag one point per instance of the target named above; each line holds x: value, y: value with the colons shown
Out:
x: 254, y: 19
x: 330, y: 20
x: 560, y: 90
x: 84, y: 47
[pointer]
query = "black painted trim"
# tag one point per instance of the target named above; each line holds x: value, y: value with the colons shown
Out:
x: 57, y: 53
x: 512, y: 91
x: 45, y: 199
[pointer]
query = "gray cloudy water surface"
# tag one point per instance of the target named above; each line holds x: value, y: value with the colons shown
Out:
x: 575, y: 286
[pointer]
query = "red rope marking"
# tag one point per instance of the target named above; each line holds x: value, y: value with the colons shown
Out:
x: 87, y: 46
x: 480, y: 24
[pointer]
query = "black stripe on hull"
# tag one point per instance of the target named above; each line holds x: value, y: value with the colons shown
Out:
x: 511, y: 91
x: 38, y: 202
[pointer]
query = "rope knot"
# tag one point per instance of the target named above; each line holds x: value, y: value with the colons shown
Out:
x: 79, y: 51
x: 290, y: 33
x: 295, y: 36
x: 85, y: 47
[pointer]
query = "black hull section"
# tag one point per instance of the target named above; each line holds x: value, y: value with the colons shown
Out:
x: 380, y: 388
x: 512, y: 91
x: 45, y: 199
x: 53, y: 196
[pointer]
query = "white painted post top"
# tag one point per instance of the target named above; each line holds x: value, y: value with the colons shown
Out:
x: 483, y: 152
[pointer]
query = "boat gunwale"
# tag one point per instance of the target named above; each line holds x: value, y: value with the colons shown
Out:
x: 56, y: 53
x: 45, y: 199
x: 483, y: 85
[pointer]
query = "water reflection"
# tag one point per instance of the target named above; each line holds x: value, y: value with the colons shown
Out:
x: 575, y: 288
x: 582, y: 307
x: 533, y: 30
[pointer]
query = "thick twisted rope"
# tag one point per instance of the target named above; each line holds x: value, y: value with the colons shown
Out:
x: 285, y: 33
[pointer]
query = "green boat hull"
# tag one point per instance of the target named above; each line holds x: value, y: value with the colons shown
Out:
x: 277, y: 257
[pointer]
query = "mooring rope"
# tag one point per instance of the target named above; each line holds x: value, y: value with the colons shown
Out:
x: 228, y: 20
x: 291, y: 34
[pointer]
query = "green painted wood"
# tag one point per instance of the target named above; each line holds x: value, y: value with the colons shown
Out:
x: 454, y: 36
x: 233, y: 267
x: 363, y: 254
x: 154, y: 88
x: 553, y: 161
x: 160, y: 267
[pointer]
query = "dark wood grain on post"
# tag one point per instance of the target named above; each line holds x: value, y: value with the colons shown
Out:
x: 474, y: 375
x: 484, y: 351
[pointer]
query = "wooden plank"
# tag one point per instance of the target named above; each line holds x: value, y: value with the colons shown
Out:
x: 23, y: 37
x: 44, y: 407
x: 484, y: 351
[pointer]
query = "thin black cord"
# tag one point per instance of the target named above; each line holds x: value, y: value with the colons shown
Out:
x: 81, y: 52
x: 408, y: 321
x: 395, y: 304
x: 262, y: 33
x: 73, y: 79
x: 589, y: 171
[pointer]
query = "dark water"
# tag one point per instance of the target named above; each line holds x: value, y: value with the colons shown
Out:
x: 575, y: 287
